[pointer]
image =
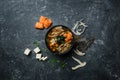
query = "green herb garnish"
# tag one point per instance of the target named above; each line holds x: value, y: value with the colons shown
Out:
x: 63, y: 64
x: 44, y: 49
x: 60, y: 39
x: 47, y: 39
x: 36, y: 43
x: 55, y: 61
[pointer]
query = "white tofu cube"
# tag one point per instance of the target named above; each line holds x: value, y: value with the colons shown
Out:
x: 36, y: 50
x: 27, y: 51
x: 38, y: 56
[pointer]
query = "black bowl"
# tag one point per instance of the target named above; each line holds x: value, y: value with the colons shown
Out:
x: 59, y: 52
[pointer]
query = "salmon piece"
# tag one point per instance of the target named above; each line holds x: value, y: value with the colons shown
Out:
x: 65, y: 35
x: 47, y: 23
x: 44, y: 22
x: 70, y: 41
x: 42, y: 19
x: 38, y: 25
x: 68, y: 37
x: 70, y: 33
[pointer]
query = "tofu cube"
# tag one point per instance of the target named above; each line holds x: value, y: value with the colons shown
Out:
x: 27, y: 51
x: 37, y: 50
x: 38, y: 56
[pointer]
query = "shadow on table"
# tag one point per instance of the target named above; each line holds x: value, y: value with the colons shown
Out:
x: 82, y: 44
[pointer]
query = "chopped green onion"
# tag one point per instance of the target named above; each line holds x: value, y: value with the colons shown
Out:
x: 63, y: 64
x: 36, y: 43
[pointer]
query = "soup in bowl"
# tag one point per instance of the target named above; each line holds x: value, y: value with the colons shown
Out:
x: 59, y: 39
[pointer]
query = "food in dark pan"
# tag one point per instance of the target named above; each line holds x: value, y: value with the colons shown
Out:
x: 59, y: 39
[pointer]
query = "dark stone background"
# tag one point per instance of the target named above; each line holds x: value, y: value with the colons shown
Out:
x: 17, y: 32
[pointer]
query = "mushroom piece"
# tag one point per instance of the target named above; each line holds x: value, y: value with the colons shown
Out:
x: 81, y: 64
x: 78, y: 66
x: 79, y: 52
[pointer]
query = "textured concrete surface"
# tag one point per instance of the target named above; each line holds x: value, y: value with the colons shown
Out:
x: 17, y: 32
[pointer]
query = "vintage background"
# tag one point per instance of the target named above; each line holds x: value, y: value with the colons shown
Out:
x: 17, y: 32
